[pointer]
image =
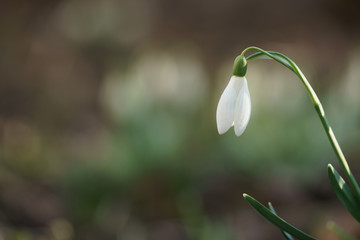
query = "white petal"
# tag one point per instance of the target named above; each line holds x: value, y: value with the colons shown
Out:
x: 226, y: 106
x: 242, y: 109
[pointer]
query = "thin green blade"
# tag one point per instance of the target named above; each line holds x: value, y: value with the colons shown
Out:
x: 343, y: 192
x: 277, y: 221
x: 286, y: 235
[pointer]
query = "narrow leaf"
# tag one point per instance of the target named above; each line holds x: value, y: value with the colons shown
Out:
x: 277, y: 221
x: 343, y: 192
x: 286, y: 235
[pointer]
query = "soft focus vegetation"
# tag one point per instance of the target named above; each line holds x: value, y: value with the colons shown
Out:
x: 107, y: 116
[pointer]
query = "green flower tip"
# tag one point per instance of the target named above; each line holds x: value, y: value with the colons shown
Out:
x: 245, y: 195
x: 240, y: 66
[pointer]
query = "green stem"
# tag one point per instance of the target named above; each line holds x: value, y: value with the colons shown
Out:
x: 287, y: 62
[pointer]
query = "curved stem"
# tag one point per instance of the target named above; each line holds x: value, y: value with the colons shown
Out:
x: 287, y: 62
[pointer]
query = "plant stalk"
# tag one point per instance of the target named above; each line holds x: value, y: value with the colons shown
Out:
x: 287, y: 62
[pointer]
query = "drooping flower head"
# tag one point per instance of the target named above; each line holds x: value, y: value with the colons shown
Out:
x: 234, y: 107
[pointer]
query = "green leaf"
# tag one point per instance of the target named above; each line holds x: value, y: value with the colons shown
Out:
x: 277, y: 221
x: 338, y: 231
x: 286, y: 235
x: 343, y: 192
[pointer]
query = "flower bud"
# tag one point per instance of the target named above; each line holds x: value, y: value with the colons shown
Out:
x: 240, y: 66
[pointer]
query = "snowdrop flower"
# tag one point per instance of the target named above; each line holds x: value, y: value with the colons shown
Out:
x: 234, y: 107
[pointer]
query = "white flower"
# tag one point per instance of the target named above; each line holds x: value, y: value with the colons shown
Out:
x: 234, y: 107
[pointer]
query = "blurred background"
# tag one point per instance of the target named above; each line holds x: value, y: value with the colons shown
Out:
x: 107, y: 118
